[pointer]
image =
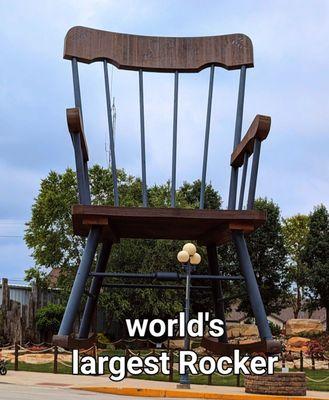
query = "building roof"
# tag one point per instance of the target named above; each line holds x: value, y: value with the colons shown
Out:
x: 284, y: 315
x: 287, y: 313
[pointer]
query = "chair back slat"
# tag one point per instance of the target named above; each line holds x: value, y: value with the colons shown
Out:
x: 76, y: 84
x: 86, y: 177
x: 174, y: 143
x: 243, y: 180
x: 82, y: 172
x: 206, y: 137
x: 237, y: 138
x: 239, y: 111
x: 83, y: 187
x: 253, y: 174
x: 111, y: 134
x: 142, y: 128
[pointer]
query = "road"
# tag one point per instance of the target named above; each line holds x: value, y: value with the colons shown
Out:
x: 10, y: 391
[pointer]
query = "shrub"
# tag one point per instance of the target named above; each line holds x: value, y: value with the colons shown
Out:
x: 48, y: 318
x: 275, y: 329
x: 103, y: 341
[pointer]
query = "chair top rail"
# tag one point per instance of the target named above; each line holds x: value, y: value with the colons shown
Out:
x: 158, y: 54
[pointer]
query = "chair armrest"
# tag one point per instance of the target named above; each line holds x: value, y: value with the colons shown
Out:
x: 259, y: 129
x: 75, y: 125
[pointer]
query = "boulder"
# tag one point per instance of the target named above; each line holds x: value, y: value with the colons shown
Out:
x: 200, y: 351
x: 176, y: 344
x: 296, y: 343
x: 235, y: 330
x: 297, y: 326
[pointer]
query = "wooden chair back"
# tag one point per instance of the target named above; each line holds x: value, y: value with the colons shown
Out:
x: 174, y: 55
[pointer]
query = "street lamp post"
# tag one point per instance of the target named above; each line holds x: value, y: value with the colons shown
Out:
x: 189, y: 258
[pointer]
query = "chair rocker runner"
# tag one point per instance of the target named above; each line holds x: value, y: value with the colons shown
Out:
x: 105, y: 225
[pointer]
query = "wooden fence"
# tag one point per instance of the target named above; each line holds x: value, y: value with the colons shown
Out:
x: 299, y: 361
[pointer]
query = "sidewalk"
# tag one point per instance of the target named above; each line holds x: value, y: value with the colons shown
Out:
x: 138, y: 387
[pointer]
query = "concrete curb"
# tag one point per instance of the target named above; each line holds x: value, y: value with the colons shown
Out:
x: 184, y: 394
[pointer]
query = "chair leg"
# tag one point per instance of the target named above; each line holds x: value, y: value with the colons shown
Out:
x: 217, y: 290
x: 252, y: 286
x: 80, y: 281
x: 94, y: 290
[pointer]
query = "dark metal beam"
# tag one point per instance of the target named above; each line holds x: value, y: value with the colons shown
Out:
x: 167, y: 276
x: 255, y: 298
x: 145, y: 286
x: 94, y: 290
x: 80, y: 281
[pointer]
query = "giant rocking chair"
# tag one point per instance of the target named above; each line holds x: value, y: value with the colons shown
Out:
x: 108, y: 224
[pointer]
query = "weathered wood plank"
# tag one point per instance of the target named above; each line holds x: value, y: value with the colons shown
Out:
x: 158, y: 54
x: 165, y: 223
x: 259, y: 128
x: 75, y: 126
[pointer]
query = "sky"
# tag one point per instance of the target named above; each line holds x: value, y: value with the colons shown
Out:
x: 290, y: 82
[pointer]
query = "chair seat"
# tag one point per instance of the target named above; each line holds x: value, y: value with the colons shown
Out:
x: 204, y: 226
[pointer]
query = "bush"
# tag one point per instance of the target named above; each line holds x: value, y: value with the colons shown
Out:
x: 48, y: 318
x: 103, y: 341
x: 275, y: 329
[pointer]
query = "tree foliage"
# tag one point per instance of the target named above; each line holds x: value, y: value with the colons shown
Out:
x: 295, y: 233
x: 268, y: 256
x: 316, y: 256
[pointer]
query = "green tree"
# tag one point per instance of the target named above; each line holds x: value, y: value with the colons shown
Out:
x: 37, y: 276
x: 316, y: 256
x: 49, y: 234
x: 295, y: 233
x: 268, y: 256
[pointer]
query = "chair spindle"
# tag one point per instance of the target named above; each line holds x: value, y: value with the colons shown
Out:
x: 206, y: 138
x: 243, y: 179
x: 253, y: 174
x: 174, y: 143
x: 142, y: 127
x: 111, y: 134
x: 76, y: 84
x: 82, y: 165
x: 237, y: 138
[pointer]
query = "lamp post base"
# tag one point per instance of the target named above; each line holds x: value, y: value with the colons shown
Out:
x: 183, y: 386
x: 184, y: 381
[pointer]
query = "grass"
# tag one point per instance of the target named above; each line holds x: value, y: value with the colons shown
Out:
x: 317, y: 375
x: 49, y: 367
x: 230, y: 380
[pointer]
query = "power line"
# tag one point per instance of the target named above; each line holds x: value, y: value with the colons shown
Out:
x: 11, y: 223
x: 11, y: 236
